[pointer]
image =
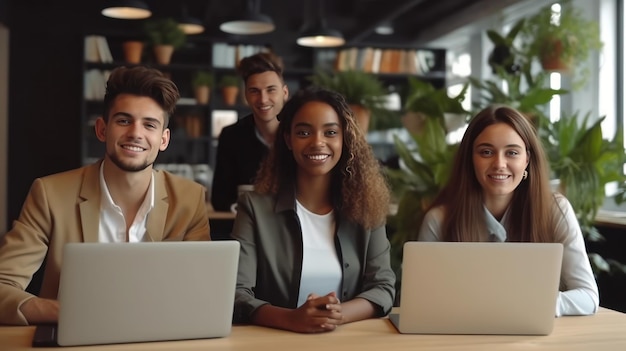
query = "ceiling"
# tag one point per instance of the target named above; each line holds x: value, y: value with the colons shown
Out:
x: 415, y: 22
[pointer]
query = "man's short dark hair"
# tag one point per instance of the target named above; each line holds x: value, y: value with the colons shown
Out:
x: 141, y: 81
x: 259, y: 63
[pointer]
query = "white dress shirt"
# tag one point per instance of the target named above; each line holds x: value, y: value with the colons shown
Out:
x: 579, y: 290
x: 112, y: 226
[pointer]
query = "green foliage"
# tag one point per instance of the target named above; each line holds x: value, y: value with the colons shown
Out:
x: 360, y: 88
x: 426, y: 100
x: 578, y: 155
x: 525, y: 92
x: 229, y: 80
x: 202, y: 78
x: 164, y: 31
x: 504, y: 54
x: 427, y: 164
x: 584, y: 162
x: 572, y: 40
x: 427, y: 161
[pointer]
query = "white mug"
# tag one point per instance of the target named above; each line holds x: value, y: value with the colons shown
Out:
x: 242, y: 188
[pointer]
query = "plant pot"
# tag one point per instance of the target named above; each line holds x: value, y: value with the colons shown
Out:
x: 551, y: 57
x: 229, y: 94
x: 362, y: 117
x: 193, y: 126
x: 202, y: 94
x: 163, y: 54
x: 132, y: 51
x: 414, y: 122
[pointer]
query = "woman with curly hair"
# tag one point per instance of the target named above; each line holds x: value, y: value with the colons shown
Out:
x: 314, y: 250
x: 500, y: 191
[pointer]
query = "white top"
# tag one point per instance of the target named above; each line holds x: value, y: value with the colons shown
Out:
x: 321, y: 269
x: 112, y: 225
x: 579, y: 291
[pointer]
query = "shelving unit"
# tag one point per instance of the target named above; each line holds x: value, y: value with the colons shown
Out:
x: 194, y: 140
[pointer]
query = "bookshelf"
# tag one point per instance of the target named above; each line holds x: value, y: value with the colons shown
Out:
x: 194, y: 128
x: 393, y: 66
x: 388, y: 64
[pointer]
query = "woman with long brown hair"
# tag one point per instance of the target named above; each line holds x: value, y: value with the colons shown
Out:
x: 500, y: 191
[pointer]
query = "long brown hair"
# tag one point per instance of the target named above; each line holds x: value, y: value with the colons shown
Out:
x: 530, y: 210
x: 358, y: 188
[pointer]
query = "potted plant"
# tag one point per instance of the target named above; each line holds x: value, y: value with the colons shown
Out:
x: 202, y: 81
x: 164, y: 35
x: 229, y: 84
x: 133, y: 49
x: 584, y: 161
x: 364, y: 92
x: 561, y: 40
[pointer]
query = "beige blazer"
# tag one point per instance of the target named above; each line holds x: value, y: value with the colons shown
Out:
x: 65, y: 207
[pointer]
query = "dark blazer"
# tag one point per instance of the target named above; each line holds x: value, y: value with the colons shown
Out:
x: 270, y: 261
x: 65, y: 207
x: 239, y: 155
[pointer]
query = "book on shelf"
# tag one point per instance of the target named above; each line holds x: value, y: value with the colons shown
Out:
x: 228, y: 56
x: 97, y: 49
x: 392, y: 61
x: 94, y: 85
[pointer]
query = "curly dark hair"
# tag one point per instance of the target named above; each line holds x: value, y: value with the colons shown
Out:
x: 359, y: 190
x: 141, y: 81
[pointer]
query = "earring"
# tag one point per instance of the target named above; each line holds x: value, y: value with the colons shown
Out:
x: 525, y: 175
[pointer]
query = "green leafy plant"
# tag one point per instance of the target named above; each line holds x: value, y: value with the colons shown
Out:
x: 426, y: 159
x: 164, y: 31
x: 202, y: 78
x: 567, y: 37
x: 362, y: 89
x: 525, y: 91
x: 505, y: 54
x: 228, y: 80
x: 585, y: 162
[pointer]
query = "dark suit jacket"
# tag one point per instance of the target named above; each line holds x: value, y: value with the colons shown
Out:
x: 239, y: 155
x: 65, y: 207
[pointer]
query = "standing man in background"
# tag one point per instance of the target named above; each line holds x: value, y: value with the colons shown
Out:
x: 243, y: 145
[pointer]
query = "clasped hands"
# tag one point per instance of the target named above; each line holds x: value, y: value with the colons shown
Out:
x: 318, y: 314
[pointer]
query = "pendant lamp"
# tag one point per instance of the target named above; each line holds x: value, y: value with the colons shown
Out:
x: 252, y: 21
x: 319, y: 35
x: 128, y: 9
x: 189, y: 24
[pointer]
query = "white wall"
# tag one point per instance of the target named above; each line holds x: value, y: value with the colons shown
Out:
x: 4, y: 123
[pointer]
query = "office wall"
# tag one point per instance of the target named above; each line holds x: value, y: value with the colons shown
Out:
x: 4, y: 123
x: 45, y: 91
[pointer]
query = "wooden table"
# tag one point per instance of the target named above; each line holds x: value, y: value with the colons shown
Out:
x: 221, y: 224
x: 604, y: 331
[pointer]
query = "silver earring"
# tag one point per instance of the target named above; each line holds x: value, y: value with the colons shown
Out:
x: 525, y: 175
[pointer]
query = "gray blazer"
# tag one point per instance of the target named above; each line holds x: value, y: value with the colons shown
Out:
x: 270, y: 262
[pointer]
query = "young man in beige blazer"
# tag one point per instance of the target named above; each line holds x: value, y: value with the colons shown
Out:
x: 120, y: 198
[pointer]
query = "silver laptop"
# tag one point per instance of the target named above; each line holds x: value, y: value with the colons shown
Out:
x: 138, y: 292
x: 479, y: 288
